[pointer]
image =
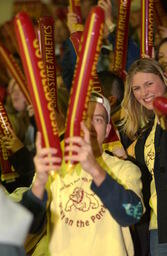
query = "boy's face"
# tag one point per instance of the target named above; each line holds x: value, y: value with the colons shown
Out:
x: 97, y: 123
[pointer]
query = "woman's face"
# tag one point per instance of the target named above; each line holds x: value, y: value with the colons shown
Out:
x: 18, y: 99
x: 162, y: 56
x: 146, y: 87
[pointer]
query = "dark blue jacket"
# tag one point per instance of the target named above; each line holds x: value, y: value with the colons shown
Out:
x: 69, y: 58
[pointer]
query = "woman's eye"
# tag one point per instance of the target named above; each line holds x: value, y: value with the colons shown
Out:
x: 135, y: 88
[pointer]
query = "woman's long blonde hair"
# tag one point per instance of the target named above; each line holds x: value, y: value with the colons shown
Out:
x: 136, y: 116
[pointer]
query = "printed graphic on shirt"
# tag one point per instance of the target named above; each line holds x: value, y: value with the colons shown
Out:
x: 81, y: 200
x: 79, y: 206
x: 134, y: 210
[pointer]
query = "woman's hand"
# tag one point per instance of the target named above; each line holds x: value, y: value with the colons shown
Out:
x: 12, y: 142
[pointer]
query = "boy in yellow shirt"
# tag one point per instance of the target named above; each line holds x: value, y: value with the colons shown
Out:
x: 90, y: 209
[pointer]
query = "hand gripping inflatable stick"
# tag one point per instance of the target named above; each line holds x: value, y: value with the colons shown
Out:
x: 85, y: 68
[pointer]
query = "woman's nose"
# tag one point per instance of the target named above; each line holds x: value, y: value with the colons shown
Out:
x: 144, y: 91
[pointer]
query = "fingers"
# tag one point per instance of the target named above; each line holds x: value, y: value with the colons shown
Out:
x: 45, y: 155
x: 30, y: 110
x: 86, y: 132
x: 49, y: 162
x: 38, y: 141
x: 104, y: 4
x: 79, y: 140
x: 43, y: 152
x: 46, y: 160
x: 75, y: 140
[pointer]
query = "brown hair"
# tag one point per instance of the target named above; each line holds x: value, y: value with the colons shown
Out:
x: 136, y: 116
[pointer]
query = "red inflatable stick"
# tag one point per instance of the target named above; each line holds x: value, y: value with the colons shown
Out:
x: 7, y: 171
x: 85, y: 69
x: 160, y: 108
x: 121, y: 44
x: 47, y: 42
x: 147, y: 26
x: 37, y: 81
x: 76, y: 40
x: 160, y: 105
x: 15, y: 70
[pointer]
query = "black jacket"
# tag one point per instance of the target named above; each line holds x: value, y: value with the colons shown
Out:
x: 160, y: 175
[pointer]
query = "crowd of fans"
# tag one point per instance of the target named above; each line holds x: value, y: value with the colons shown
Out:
x: 114, y: 201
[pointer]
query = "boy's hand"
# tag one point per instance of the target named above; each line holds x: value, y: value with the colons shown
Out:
x: 45, y: 161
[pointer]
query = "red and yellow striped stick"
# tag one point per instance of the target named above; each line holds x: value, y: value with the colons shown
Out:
x: 147, y: 24
x: 160, y: 108
x: 121, y: 44
x: 85, y: 70
x: 7, y: 171
x: 76, y: 40
x: 47, y: 42
x: 37, y: 81
x: 15, y: 70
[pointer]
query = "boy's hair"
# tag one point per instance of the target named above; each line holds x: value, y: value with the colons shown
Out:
x: 98, y: 97
x: 112, y: 85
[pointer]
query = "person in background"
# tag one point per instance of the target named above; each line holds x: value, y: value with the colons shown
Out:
x: 135, y: 21
x: 62, y: 33
x: 113, y: 89
x: 21, y: 159
x: 16, y: 107
x: 15, y: 222
x: 161, y: 54
x: 146, y: 81
x: 69, y: 56
x: 20, y: 142
x: 108, y: 44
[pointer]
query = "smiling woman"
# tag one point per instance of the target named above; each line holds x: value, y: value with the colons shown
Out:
x: 145, y: 81
x: 147, y: 86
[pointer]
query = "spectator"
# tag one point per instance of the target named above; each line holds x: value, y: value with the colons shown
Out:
x: 101, y: 198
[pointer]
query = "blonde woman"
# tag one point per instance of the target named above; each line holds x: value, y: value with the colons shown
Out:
x: 145, y: 81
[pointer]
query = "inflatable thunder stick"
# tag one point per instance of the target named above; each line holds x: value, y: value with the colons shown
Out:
x: 47, y: 42
x: 7, y: 171
x: 37, y: 81
x: 147, y: 25
x: 85, y: 68
x: 160, y: 108
x: 121, y: 44
x: 15, y: 70
x: 76, y: 40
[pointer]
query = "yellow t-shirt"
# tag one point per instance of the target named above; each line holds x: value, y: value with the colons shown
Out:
x: 149, y: 154
x: 79, y: 223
